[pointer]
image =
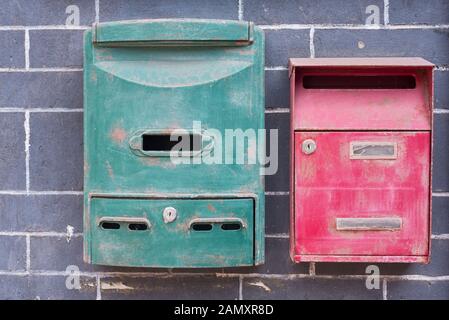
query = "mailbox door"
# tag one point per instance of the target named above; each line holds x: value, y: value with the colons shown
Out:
x: 198, y: 233
x: 362, y: 193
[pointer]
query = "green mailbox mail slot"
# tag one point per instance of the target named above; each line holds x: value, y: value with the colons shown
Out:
x: 169, y: 111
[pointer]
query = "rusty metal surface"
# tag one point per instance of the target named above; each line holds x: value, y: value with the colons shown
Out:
x: 149, y: 78
x: 332, y: 183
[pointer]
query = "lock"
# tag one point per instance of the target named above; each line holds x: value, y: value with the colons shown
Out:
x: 169, y: 214
x: 308, y: 146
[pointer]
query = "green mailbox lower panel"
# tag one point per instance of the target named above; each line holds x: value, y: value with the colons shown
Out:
x: 145, y: 232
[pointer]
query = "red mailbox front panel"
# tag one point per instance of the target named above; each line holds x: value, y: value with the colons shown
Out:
x: 362, y: 193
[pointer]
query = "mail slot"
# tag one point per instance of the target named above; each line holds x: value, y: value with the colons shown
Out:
x: 361, y: 150
x: 161, y: 186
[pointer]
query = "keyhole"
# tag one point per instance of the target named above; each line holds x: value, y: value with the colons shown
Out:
x: 308, y: 146
x: 169, y: 214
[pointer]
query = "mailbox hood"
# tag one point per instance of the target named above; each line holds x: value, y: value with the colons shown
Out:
x: 411, y: 62
x: 162, y: 32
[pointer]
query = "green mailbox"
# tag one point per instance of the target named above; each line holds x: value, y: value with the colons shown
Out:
x: 171, y: 108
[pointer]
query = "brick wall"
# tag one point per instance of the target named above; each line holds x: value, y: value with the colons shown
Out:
x: 41, y: 147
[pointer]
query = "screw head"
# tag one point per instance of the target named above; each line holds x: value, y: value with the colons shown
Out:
x: 169, y: 214
x: 308, y: 146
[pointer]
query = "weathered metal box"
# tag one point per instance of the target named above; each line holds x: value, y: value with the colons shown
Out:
x: 148, y: 86
x: 361, y: 150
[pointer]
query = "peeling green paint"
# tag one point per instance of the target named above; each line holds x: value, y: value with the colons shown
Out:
x: 208, y: 71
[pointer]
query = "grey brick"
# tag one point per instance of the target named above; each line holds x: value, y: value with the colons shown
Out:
x: 277, y: 214
x: 436, y: 267
x: 44, y: 12
x: 41, y: 90
x: 309, y: 11
x: 418, y: 290
x: 13, y: 287
x: 12, y: 253
x: 56, y: 151
x: 54, y: 288
x: 429, y: 44
x: 281, y: 180
x: 284, y: 44
x: 307, y: 289
x: 440, y: 215
x: 441, y: 93
x: 419, y: 12
x: 12, y: 151
x: 12, y: 50
x: 41, y: 212
x: 56, y: 253
x: 277, y: 89
x: 277, y: 260
x: 192, y: 288
x: 141, y: 9
x: 56, y: 48
x: 441, y: 153
x: 44, y: 287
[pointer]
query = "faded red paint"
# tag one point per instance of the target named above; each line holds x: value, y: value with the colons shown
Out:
x: 328, y: 184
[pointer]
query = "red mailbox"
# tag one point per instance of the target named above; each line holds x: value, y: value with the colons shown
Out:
x: 361, y: 141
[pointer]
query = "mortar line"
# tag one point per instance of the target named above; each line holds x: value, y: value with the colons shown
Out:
x: 276, y: 68
x: 97, y: 11
x: 27, y: 49
x: 27, y: 151
x: 37, y: 110
x: 311, y: 42
x: 61, y: 69
x: 80, y: 234
x: 294, y: 26
x: 277, y: 193
x: 386, y: 12
x: 440, y: 111
x: 384, y: 290
x: 277, y: 110
x: 443, y: 236
x: 44, y: 27
x: 98, y: 282
x: 362, y: 277
x: 277, y: 236
x: 39, y: 193
x: 240, y: 10
x: 286, y: 26
x: 312, y: 270
x: 38, y: 234
x: 440, y: 194
x: 337, y: 277
x: 240, y: 287
x: 28, y: 253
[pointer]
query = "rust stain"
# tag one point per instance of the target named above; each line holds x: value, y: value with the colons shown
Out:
x: 260, y: 284
x: 211, y: 208
x: 118, y: 135
x: 115, y: 286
